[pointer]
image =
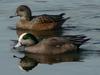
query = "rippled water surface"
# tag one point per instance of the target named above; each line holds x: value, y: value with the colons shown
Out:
x: 85, y: 19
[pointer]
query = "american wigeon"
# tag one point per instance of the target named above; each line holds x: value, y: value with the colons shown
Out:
x: 52, y: 45
x: 39, y: 22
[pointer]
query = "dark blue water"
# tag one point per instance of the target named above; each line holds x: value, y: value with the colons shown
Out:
x: 85, y: 19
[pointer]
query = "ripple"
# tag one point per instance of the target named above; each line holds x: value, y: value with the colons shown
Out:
x: 91, y: 6
x: 96, y: 16
x: 47, y: 10
x: 12, y: 27
x: 41, y: 1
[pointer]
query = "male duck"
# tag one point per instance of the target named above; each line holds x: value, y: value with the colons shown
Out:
x: 52, y: 45
x: 40, y: 22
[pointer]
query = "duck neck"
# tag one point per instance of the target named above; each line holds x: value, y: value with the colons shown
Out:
x: 25, y: 18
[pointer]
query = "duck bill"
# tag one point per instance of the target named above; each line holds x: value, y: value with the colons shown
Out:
x: 17, y: 45
x: 21, y: 68
x: 13, y: 16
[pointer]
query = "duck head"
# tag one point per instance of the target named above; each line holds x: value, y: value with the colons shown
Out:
x: 26, y: 39
x: 24, y: 12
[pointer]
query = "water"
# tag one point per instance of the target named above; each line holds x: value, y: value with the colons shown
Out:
x: 85, y: 19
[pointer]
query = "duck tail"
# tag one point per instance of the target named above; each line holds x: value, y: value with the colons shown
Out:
x: 81, y: 41
x: 62, y: 14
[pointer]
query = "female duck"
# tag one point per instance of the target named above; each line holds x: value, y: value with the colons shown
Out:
x: 40, y: 22
x: 53, y: 45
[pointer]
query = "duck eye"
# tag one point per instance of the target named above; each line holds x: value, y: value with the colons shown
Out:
x: 21, y: 9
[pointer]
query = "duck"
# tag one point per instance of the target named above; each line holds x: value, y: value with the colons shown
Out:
x: 38, y: 22
x: 51, y: 45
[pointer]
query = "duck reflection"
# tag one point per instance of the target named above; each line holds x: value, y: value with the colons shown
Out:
x: 27, y: 63
x: 41, y: 34
x: 30, y: 61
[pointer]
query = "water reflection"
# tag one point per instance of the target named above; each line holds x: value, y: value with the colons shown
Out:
x: 41, y: 34
x: 30, y: 61
x: 90, y: 53
x: 26, y: 63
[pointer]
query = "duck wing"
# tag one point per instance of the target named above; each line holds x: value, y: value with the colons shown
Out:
x: 55, y: 41
x: 48, y: 18
x: 77, y: 40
